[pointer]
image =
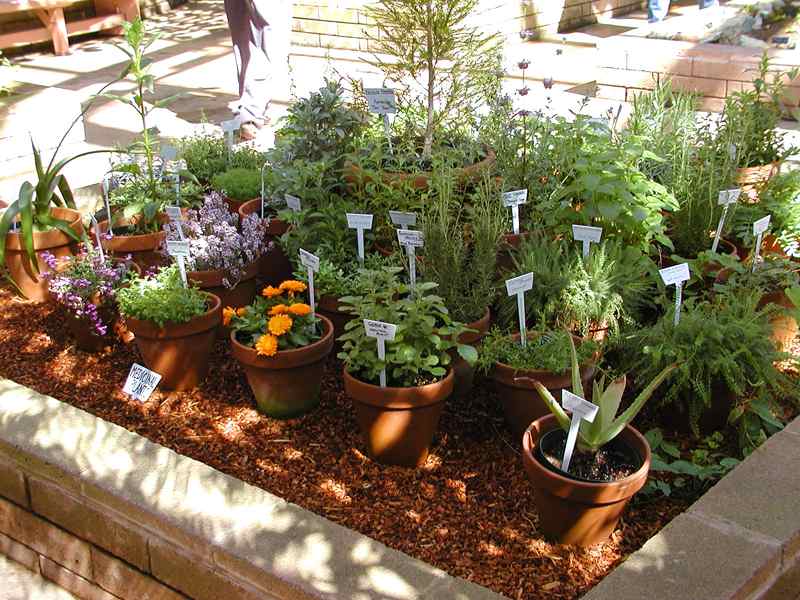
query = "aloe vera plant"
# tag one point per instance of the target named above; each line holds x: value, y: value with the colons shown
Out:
x: 606, y: 425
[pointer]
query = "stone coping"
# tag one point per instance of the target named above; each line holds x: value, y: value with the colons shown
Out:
x: 249, y: 536
x: 735, y: 542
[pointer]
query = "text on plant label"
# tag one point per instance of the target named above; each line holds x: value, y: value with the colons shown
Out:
x: 584, y: 233
x: 359, y: 221
x: 381, y: 101
x: 515, y: 198
x: 141, y: 382
x: 729, y: 196
x: 293, y: 203
x: 761, y: 225
x: 523, y: 283
x: 174, y: 212
x: 178, y: 248
x: 380, y: 330
x: 409, y: 237
x: 403, y: 219
x: 308, y: 260
x: 574, y: 403
x: 675, y: 274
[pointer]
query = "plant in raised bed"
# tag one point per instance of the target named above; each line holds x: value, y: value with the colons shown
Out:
x: 175, y: 326
x: 238, y: 186
x: 398, y: 421
x: 723, y: 352
x: 611, y: 461
x: 282, y: 347
x: 85, y: 287
x: 544, y: 358
x: 222, y: 254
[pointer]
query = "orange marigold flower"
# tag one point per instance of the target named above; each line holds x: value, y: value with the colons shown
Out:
x: 227, y: 315
x: 299, y: 309
x: 271, y: 292
x: 279, y: 324
x: 240, y: 312
x: 267, y: 345
x: 278, y: 309
x: 293, y: 286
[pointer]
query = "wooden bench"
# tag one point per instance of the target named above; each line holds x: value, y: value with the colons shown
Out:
x: 110, y: 15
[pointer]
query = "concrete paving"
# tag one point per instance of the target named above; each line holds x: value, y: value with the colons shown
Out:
x: 18, y: 583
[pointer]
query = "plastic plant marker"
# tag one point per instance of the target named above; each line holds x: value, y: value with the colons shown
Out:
x: 105, y: 186
x: 97, y: 237
x: 381, y: 332
x: 141, y: 382
x: 726, y: 198
x: 518, y: 286
x: 229, y: 127
x: 311, y: 263
x: 293, y: 203
x: 676, y: 275
x: 404, y: 220
x: 359, y: 222
x: 175, y: 215
x: 582, y: 410
x: 512, y: 200
x: 759, y: 227
x: 179, y: 251
x: 411, y: 240
x: 382, y: 101
x: 587, y: 235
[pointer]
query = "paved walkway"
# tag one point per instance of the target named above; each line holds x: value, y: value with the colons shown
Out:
x: 18, y: 583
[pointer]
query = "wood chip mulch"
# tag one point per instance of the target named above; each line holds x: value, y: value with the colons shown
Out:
x: 468, y: 511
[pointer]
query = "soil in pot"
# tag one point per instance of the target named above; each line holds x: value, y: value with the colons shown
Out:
x: 614, y: 461
x: 179, y: 352
x: 288, y: 384
x: 398, y: 424
x: 143, y: 248
x: 53, y: 241
x: 573, y: 511
x: 273, y: 266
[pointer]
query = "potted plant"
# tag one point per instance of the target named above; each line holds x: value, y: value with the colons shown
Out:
x: 611, y: 461
x: 85, y: 287
x: 461, y: 246
x: 175, y: 326
x: 545, y: 358
x: 282, y: 348
x: 398, y: 421
x: 222, y: 259
x: 207, y: 154
x: 237, y: 186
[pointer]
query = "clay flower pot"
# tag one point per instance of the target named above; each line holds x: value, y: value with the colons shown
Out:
x: 53, y: 241
x: 398, y: 424
x: 143, y: 248
x: 574, y: 511
x: 239, y: 295
x: 520, y: 400
x: 235, y: 205
x: 273, y: 266
x: 509, y: 244
x: 464, y: 372
x: 784, y: 326
x: 287, y: 384
x: 179, y: 352
x: 329, y: 306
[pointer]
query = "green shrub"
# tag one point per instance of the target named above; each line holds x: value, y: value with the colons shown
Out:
x: 162, y: 298
x: 548, y: 351
x: 238, y: 184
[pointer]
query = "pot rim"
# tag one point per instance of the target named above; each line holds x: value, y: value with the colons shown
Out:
x: 506, y: 369
x: 139, y: 242
x: 418, y: 396
x: 52, y: 238
x: 170, y: 330
x: 286, y: 359
x: 482, y: 325
x: 216, y: 275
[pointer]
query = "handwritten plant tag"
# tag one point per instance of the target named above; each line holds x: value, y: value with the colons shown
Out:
x: 403, y: 219
x: 518, y: 286
x: 513, y: 200
x: 381, y: 101
x: 311, y: 263
x: 359, y: 222
x: 759, y: 227
x: 587, y: 235
x: 180, y: 251
x: 141, y: 382
x: 725, y: 199
x: 411, y: 240
x: 582, y: 410
x: 97, y: 237
x: 382, y: 332
x: 676, y: 275
x: 293, y: 203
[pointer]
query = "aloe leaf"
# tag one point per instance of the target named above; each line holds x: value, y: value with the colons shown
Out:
x: 577, y: 386
x: 66, y: 192
x: 5, y: 226
x: 555, y: 408
x: 26, y: 214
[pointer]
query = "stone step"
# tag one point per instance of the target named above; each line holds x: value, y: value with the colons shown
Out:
x: 18, y: 583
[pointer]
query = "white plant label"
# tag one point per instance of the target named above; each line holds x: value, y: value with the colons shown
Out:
x: 380, y: 331
x: 97, y: 237
x: 311, y: 263
x: 229, y: 127
x: 403, y: 219
x: 411, y: 240
x: 759, y: 227
x: 518, y: 286
x: 105, y: 185
x: 512, y: 200
x: 359, y: 222
x: 263, y: 188
x: 676, y: 275
x: 725, y: 199
x: 175, y: 214
x: 141, y: 382
x: 587, y: 235
x: 582, y: 410
x: 732, y: 151
x: 381, y: 101
x: 293, y: 203
x: 179, y: 250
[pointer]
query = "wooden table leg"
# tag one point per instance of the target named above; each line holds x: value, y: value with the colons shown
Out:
x: 127, y: 8
x: 53, y: 20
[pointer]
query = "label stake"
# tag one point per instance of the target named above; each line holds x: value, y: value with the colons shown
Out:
x: 311, y: 262
x: 518, y: 286
x: 382, y: 332
x: 726, y: 198
x: 581, y: 410
x: 676, y: 275
x: 359, y: 222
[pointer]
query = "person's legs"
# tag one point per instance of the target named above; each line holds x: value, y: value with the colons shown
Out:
x: 707, y: 3
x: 657, y: 10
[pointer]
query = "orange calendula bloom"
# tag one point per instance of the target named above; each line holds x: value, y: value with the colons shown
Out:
x: 227, y: 315
x: 279, y: 309
x: 279, y: 324
x: 271, y: 292
x: 240, y: 312
x: 299, y: 309
x: 267, y: 345
x: 293, y: 286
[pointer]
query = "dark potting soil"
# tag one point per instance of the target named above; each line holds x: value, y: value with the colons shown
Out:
x: 614, y: 461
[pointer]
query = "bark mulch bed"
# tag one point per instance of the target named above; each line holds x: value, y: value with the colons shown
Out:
x: 468, y: 511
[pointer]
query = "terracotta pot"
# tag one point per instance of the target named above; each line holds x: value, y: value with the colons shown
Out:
x: 286, y: 385
x: 274, y: 266
x: 511, y: 241
x: 784, y: 326
x: 354, y: 175
x: 398, y: 424
x: 240, y: 295
x: 179, y: 352
x: 235, y: 205
x: 521, y: 402
x: 463, y: 371
x: 329, y: 306
x: 143, y: 248
x: 578, y: 512
x: 752, y: 179
x: 710, y: 269
x: 53, y: 241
